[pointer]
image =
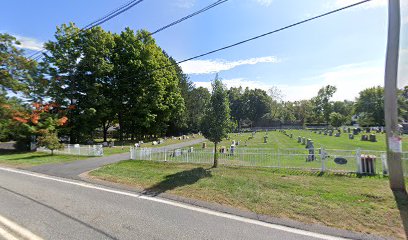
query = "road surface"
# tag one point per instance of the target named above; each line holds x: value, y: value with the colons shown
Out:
x: 56, y: 208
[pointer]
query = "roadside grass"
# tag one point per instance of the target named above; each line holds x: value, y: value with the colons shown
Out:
x: 362, y: 204
x: 29, y: 159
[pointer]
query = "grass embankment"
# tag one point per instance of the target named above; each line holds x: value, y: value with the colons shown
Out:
x: 30, y: 159
x: 126, y: 147
x: 359, y: 204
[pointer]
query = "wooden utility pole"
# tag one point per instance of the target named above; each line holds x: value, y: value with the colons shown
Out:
x: 394, y: 149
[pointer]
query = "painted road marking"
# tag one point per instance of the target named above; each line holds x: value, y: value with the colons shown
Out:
x: 15, y: 229
x: 176, y: 204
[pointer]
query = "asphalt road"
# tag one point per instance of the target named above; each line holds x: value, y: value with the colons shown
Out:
x: 56, y: 208
x: 73, y: 169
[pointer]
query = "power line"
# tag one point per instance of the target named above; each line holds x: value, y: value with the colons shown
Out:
x: 260, y: 36
x: 275, y: 31
x: 173, y: 23
x: 98, y: 22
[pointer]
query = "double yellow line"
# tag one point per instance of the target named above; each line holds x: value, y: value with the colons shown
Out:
x: 10, y: 230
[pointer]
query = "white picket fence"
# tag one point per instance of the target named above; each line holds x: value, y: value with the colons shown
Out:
x: 333, y: 160
x: 77, y: 149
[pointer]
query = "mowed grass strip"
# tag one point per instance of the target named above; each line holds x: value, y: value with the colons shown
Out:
x: 359, y: 204
x: 29, y: 159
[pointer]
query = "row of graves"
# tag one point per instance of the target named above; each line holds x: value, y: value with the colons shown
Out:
x: 367, y: 136
x: 161, y: 141
x: 308, y: 143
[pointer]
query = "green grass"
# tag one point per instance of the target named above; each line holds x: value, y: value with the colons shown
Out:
x: 29, y: 159
x: 126, y: 148
x: 277, y: 140
x: 363, y: 204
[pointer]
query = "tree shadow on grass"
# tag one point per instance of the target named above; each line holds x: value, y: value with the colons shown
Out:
x: 12, y: 157
x: 187, y: 177
x: 401, y: 197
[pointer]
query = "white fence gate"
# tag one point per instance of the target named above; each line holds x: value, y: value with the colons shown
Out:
x: 76, y: 149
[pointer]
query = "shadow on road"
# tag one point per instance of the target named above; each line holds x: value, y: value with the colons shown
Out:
x: 401, y: 197
x: 179, y: 179
x: 62, y: 213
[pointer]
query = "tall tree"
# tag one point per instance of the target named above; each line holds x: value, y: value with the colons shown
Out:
x: 321, y: 102
x: 370, y: 105
x: 216, y: 122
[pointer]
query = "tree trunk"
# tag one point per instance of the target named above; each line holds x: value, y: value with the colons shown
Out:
x: 105, y: 132
x: 52, y: 152
x: 215, y: 156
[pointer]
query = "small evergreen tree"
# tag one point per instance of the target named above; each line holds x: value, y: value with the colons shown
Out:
x: 216, y: 122
x: 50, y: 140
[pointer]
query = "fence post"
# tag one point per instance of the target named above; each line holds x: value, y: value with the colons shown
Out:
x: 165, y: 154
x: 323, y: 158
x: 279, y: 163
x: 384, y: 164
x: 358, y: 160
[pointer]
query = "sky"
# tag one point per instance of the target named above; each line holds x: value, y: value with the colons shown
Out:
x: 346, y: 49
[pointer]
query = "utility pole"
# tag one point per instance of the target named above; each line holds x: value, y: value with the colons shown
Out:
x: 394, y: 149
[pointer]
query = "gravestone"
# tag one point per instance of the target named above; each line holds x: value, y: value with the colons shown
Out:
x: 349, y: 130
x: 330, y: 133
x: 337, y: 134
x: 204, y: 145
x: 223, y: 149
x: 291, y: 135
x: 155, y: 143
x: 265, y: 139
x: 364, y: 137
x: 325, y: 133
x: 237, y: 143
x: 320, y: 132
x: 367, y: 130
x: 351, y: 136
x: 355, y: 131
x: 299, y: 139
x: 232, y: 150
x: 105, y: 144
x: 191, y: 149
x: 373, y: 138
x: 233, y: 142
x: 177, y: 153
x: 303, y: 141
x: 137, y: 145
x: 310, y: 147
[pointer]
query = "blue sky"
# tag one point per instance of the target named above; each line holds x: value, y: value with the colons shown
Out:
x: 346, y: 49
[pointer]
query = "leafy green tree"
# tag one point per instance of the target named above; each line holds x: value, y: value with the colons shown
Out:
x: 196, y: 103
x: 50, y: 140
x: 370, y: 106
x: 322, y: 105
x: 256, y: 103
x: 216, y: 122
x: 337, y: 119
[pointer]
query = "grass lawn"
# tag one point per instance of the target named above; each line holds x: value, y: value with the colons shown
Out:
x: 29, y: 159
x: 126, y: 148
x: 277, y: 140
x: 359, y: 204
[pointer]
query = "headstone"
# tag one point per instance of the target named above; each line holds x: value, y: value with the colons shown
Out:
x: 299, y: 139
x: 191, y: 150
x: 291, y: 135
x: 364, y: 137
x: 330, y: 133
x: 373, y: 138
x: 367, y: 130
x: 265, y: 139
x: 223, y: 149
x: 177, y: 153
x: 154, y: 143
x: 237, y: 143
x: 310, y: 147
x: 204, y: 145
x: 232, y: 150
x: 105, y: 144
x: 137, y: 145
x: 161, y: 141
x: 337, y: 134
x: 320, y: 132
x: 349, y: 130
x: 140, y: 142
x: 351, y: 136
x: 303, y: 141
x: 355, y: 131
x: 233, y: 142
x: 325, y: 133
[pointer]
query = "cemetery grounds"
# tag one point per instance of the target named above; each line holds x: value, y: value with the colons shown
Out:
x: 343, y: 200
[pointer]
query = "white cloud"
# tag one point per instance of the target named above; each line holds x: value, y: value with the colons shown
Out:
x: 29, y: 43
x: 265, y: 3
x: 349, y: 80
x: 213, y: 66
x: 185, y: 3
x: 403, y: 68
